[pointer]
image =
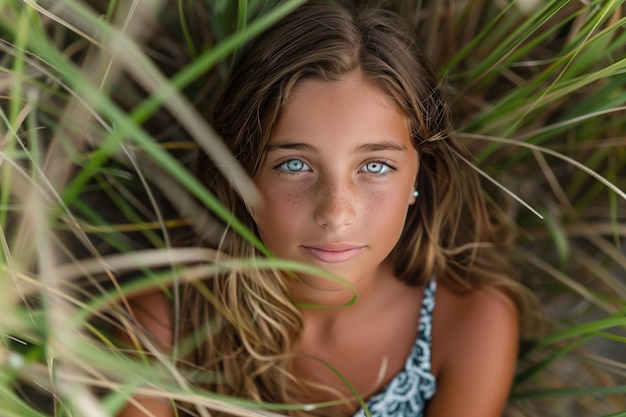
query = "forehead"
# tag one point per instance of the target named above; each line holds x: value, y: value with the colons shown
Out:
x: 348, y: 107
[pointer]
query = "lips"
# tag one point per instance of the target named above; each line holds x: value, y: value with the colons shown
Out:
x: 333, y: 253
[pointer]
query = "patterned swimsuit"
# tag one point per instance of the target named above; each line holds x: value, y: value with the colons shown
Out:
x: 407, y: 393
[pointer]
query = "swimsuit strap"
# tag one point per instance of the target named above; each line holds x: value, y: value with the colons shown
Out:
x: 407, y: 393
x: 424, y: 331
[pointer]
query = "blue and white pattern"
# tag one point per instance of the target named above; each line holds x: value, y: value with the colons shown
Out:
x: 407, y: 393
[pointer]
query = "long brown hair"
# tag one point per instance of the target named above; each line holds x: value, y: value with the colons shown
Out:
x: 451, y: 232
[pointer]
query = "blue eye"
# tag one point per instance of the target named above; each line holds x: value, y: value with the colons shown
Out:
x: 294, y: 165
x: 376, y: 167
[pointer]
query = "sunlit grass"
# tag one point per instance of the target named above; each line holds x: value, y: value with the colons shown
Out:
x: 101, y: 104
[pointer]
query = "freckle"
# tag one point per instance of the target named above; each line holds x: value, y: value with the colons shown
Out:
x: 294, y: 201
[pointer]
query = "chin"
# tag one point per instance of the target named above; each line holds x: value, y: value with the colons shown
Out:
x: 323, y: 291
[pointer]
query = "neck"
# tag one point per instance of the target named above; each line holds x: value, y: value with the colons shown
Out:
x: 341, y: 301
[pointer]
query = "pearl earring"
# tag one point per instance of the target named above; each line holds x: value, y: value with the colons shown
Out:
x: 415, y: 193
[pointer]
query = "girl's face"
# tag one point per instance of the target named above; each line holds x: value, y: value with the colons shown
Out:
x: 337, y: 180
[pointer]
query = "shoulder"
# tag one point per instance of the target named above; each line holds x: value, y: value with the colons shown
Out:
x: 475, y: 341
x: 150, y: 311
x: 468, y: 326
x: 462, y: 314
x: 149, y: 320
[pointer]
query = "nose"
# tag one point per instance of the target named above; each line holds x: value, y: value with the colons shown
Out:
x: 335, y: 203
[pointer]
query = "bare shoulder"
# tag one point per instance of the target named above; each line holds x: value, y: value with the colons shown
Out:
x: 150, y: 311
x: 460, y: 316
x: 475, y: 341
x: 150, y: 320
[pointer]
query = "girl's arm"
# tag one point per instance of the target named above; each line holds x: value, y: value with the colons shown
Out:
x: 476, y: 345
x: 152, y: 312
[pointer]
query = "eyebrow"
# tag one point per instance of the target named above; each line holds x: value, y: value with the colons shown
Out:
x: 287, y: 145
x: 385, y: 145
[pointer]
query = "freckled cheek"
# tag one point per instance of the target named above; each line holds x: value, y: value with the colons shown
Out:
x: 295, y: 206
x: 279, y: 213
x: 372, y: 206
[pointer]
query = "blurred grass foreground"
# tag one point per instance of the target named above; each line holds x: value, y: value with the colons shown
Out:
x: 101, y: 106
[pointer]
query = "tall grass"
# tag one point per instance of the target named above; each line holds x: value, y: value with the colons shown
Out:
x: 103, y: 101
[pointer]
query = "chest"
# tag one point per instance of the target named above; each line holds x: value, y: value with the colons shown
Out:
x: 367, y: 350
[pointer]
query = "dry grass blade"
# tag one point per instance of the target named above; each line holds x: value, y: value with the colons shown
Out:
x: 125, y: 51
x: 559, y: 155
x: 579, y: 289
x: 499, y: 185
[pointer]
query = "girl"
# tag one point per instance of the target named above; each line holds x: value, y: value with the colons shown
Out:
x: 338, y: 118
